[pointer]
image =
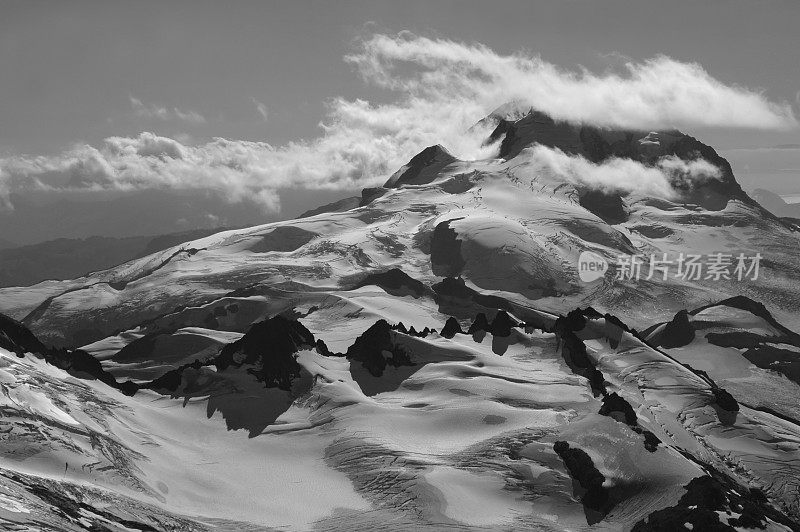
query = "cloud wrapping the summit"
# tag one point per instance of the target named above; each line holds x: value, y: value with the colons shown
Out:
x: 618, y: 174
x: 442, y: 89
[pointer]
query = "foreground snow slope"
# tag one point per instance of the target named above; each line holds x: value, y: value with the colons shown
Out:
x: 464, y: 436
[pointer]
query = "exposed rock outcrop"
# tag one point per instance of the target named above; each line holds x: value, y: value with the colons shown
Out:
x: 269, y: 346
x: 283, y: 238
x: 451, y: 328
x: 344, y: 204
x: 422, y: 168
x: 395, y: 282
x: 18, y: 339
x: 502, y: 324
x: 598, y: 144
x: 709, y: 503
x: 595, y: 498
x: 618, y: 408
x: 573, y: 350
x: 446, y: 258
x: 376, y: 349
x: 676, y: 333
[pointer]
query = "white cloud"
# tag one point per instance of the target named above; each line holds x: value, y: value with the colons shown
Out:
x: 442, y: 89
x: 237, y: 170
x: 621, y: 175
x: 657, y: 93
x: 5, y: 191
x: 262, y: 109
x: 165, y: 114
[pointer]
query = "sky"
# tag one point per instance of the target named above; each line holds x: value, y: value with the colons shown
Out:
x: 248, y: 99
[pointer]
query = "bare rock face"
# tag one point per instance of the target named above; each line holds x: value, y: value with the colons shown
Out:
x: 446, y: 258
x: 15, y: 337
x: 609, y: 207
x: 269, y: 346
x: 725, y: 400
x: 422, y: 168
x: 451, y: 328
x: 678, y: 332
x: 706, y: 499
x: 617, y: 407
x: 285, y: 238
x: 479, y: 325
x: 598, y: 144
x: 595, y: 497
x: 573, y: 349
x: 376, y: 349
x: 395, y: 282
x: 341, y: 205
x: 370, y: 194
x: 18, y: 339
x: 502, y: 324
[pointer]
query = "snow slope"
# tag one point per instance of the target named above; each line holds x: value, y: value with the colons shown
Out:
x: 414, y: 363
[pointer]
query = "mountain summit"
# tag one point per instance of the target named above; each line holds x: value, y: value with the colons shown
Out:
x: 422, y: 168
x: 598, y: 144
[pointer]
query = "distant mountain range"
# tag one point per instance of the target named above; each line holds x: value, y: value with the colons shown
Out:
x: 46, y: 216
x: 66, y: 258
x: 776, y: 204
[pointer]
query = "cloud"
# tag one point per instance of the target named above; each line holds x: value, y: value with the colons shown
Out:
x: 656, y: 93
x: 158, y: 112
x: 235, y: 169
x: 5, y: 191
x: 441, y: 88
x: 620, y: 175
x: 262, y: 109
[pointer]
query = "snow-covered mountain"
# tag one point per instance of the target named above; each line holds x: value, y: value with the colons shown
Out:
x: 414, y: 357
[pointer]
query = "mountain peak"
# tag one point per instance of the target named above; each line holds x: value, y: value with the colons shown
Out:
x: 422, y: 168
x: 597, y: 144
x: 511, y: 111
